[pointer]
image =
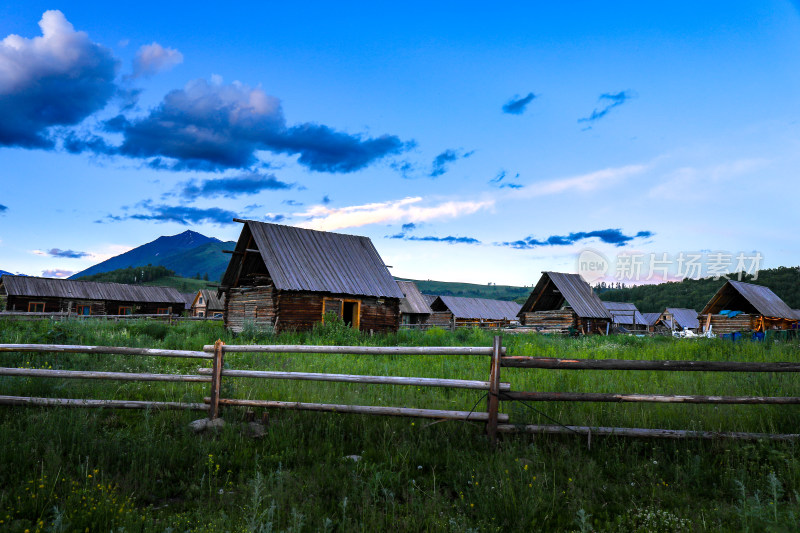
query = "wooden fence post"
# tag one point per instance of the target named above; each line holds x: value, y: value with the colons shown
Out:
x: 493, y: 400
x: 216, y: 378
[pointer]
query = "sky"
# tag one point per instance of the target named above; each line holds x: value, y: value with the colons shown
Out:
x: 630, y: 142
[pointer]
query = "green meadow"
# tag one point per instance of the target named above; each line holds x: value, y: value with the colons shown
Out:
x: 118, y: 470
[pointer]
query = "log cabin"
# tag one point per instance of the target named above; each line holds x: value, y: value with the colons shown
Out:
x: 284, y: 278
x: 459, y: 311
x: 752, y: 308
x: 625, y: 315
x: 414, y: 309
x: 564, y: 302
x: 53, y: 295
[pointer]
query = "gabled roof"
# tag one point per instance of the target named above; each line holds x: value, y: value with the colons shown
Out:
x: 684, y: 318
x: 479, y: 308
x: 430, y: 298
x: 414, y: 302
x: 651, y: 318
x: 625, y: 313
x: 89, y: 290
x: 212, y: 301
x: 316, y: 261
x: 796, y: 313
x: 188, y: 299
x: 555, y: 288
x: 740, y: 296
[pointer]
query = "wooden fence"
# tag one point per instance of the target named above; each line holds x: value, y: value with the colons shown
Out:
x: 497, y: 391
x: 166, y: 317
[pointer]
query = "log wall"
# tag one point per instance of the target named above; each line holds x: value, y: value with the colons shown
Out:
x: 559, y: 320
x: 256, y: 305
x: 98, y: 307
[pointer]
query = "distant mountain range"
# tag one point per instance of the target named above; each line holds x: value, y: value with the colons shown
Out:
x: 6, y: 272
x: 188, y: 254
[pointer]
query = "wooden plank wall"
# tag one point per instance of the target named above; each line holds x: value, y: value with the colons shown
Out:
x: 554, y: 320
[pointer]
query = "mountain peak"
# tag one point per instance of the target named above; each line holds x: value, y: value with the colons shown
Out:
x: 154, y: 252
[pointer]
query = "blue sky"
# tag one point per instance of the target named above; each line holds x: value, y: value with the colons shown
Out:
x: 470, y: 143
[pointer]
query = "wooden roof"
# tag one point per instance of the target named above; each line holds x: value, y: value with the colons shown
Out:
x: 88, y: 290
x: 749, y: 298
x: 316, y: 261
x: 556, y: 288
x: 414, y: 302
x: 625, y: 313
x: 212, y: 301
x: 478, y: 308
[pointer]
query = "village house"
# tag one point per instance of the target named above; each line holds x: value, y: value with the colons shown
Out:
x: 414, y: 309
x: 625, y: 315
x: 459, y: 311
x: 739, y: 306
x: 206, y: 303
x: 286, y: 278
x: 53, y: 295
x: 565, y: 302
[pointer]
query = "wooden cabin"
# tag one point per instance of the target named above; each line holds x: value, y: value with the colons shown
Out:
x: 207, y: 303
x: 53, y: 295
x: 739, y: 306
x: 286, y: 278
x: 651, y: 319
x: 564, y: 302
x: 679, y: 319
x: 458, y: 311
x: 414, y: 309
x: 626, y: 316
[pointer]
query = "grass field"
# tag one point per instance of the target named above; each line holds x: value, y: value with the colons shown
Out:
x: 69, y: 470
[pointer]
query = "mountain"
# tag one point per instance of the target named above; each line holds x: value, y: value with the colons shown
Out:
x: 6, y: 272
x: 473, y: 290
x: 187, y: 253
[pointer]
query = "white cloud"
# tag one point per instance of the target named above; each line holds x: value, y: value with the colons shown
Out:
x: 325, y: 218
x: 153, y: 58
x: 687, y: 183
x: 581, y: 183
x: 57, y: 273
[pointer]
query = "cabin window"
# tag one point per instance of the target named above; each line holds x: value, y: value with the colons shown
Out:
x: 162, y: 311
x: 84, y: 310
x: 201, y: 313
x: 36, y: 307
x: 125, y: 310
x: 348, y: 310
x: 200, y: 301
x: 217, y: 315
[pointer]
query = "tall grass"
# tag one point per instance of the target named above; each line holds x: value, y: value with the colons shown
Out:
x: 68, y: 470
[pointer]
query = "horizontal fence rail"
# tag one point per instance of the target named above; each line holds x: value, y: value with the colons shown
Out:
x: 89, y: 374
x: 634, y: 364
x: 551, y: 363
x: 348, y: 378
x: 106, y: 350
x: 354, y: 350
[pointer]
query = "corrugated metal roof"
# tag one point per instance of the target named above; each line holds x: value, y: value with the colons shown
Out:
x: 319, y: 261
x: 796, y: 313
x: 761, y: 298
x: 684, y: 318
x: 481, y: 308
x: 414, y: 302
x: 624, y: 313
x: 89, y: 290
x: 651, y: 318
x: 570, y: 288
x: 430, y: 298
